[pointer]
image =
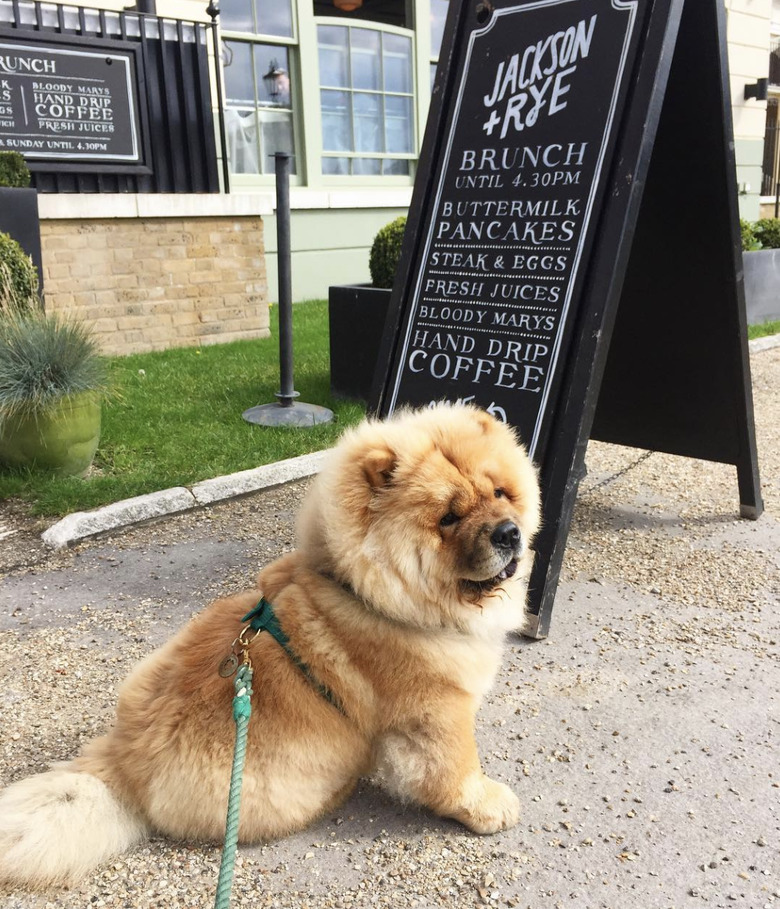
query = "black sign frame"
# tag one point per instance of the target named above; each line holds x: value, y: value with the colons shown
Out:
x: 681, y: 43
x: 137, y: 97
x: 551, y: 202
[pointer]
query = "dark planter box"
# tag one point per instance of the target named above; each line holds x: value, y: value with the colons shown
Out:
x: 356, y: 316
x: 762, y: 285
x: 19, y: 218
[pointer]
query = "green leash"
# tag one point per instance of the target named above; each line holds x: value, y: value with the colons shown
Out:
x: 242, y: 710
x: 261, y: 618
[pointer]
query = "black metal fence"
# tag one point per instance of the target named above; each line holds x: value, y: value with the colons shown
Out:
x: 770, y: 171
x: 774, y: 63
x: 180, y: 148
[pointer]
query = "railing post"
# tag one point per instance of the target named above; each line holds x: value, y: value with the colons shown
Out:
x: 212, y: 11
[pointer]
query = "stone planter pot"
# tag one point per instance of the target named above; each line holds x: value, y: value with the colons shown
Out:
x: 64, y: 439
x: 762, y: 285
x: 19, y: 218
x: 356, y: 316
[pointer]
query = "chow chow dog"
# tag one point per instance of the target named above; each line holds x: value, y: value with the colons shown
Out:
x: 412, y: 554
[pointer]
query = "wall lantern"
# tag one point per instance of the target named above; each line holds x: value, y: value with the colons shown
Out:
x: 758, y: 90
x: 276, y: 81
x: 347, y: 6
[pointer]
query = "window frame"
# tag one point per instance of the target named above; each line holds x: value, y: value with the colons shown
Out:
x: 433, y: 58
x: 291, y: 44
x: 377, y: 180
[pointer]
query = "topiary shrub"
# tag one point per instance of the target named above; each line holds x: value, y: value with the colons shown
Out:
x: 385, y: 253
x: 767, y: 232
x: 750, y: 241
x: 18, y: 277
x: 13, y: 170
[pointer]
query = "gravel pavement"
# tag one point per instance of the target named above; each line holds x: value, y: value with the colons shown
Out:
x: 643, y: 736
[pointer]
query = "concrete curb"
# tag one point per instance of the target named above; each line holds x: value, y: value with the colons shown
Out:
x: 83, y: 524
x: 767, y: 343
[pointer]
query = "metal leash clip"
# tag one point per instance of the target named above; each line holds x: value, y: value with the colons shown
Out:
x: 239, y: 653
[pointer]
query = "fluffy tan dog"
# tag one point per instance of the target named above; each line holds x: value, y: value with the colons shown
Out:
x: 412, y: 554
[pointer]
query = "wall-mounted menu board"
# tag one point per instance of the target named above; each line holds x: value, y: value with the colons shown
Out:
x: 68, y: 102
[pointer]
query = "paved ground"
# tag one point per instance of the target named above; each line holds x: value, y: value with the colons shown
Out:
x: 643, y: 736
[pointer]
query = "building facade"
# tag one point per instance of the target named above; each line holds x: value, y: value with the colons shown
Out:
x: 751, y: 27
x: 344, y: 86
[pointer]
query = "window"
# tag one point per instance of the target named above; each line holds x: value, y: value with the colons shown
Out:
x: 261, y: 17
x: 366, y: 95
x: 438, y: 18
x: 258, y: 90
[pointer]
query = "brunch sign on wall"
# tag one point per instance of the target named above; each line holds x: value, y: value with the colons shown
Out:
x: 64, y: 102
x: 523, y: 168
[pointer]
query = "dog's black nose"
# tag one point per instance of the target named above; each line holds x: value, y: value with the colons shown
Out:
x: 506, y: 536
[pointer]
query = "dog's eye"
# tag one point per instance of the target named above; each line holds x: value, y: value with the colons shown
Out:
x: 499, y: 493
x: 449, y: 519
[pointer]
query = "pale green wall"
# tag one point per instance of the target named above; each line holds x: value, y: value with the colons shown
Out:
x: 749, y: 154
x: 328, y: 247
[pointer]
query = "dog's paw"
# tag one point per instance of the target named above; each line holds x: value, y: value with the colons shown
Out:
x: 497, y: 809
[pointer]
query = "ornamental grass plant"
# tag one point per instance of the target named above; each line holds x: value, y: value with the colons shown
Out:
x: 173, y: 417
x: 43, y: 359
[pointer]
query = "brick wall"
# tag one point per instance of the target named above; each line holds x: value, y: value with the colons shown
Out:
x: 152, y: 283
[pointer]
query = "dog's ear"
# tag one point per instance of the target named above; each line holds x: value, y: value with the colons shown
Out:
x: 485, y: 420
x: 378, y: 466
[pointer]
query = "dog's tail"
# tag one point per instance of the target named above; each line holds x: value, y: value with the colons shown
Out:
x: 58, y: 826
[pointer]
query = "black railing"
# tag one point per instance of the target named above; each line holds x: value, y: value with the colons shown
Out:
x: 774, y: 63
x: 181, y: 145
x: 770, y: 171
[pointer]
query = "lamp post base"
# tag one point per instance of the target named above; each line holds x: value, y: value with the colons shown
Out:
x: 296, y: 415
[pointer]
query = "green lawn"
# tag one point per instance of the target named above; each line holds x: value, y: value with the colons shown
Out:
x: 761, y: 331
x: 174, y: 418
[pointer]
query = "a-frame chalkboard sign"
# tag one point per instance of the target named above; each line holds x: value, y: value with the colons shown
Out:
x: 572, y: 259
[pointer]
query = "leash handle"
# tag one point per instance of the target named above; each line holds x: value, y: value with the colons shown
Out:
x: 242, y: 711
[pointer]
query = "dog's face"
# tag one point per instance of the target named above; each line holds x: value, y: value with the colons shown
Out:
x: 428, y: 516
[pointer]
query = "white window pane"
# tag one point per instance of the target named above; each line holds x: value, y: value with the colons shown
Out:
x: 276, y: 135
x: 367, y: 111
x: 365, y: 59
x: 367, y: 167
x: 333, y: 56
x: 274, y: 17
x: 438, y: 17
x: 336, y: 128
x: 242, y: 135
x: 397, y: 55
x: 338, y: 167
x: 236, y: 15
x: 398, y: 124
x: 239, y: 83
x: 395, y: 167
